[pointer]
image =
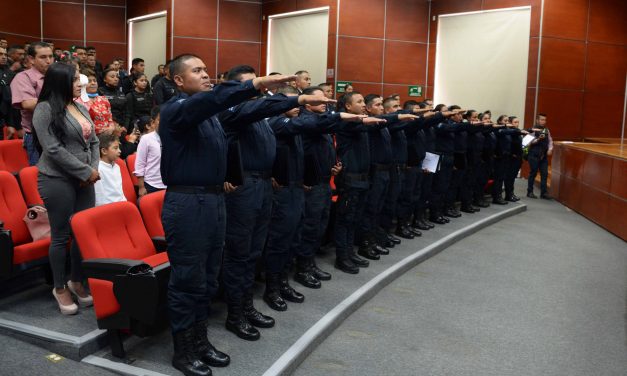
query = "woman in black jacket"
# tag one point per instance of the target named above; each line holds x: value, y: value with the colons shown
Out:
x: 138, y: 101
x: 114, y: 95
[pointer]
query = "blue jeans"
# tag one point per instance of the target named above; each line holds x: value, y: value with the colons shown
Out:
x: 31, y: 150
x: 194, y: 227
x: 538, y: 163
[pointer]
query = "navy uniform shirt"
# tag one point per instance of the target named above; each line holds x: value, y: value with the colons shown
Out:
x: 289, y: 134
x: 416, y: 142
x: 381, y: 140
x: 192, y: 140
x: 247, y: 125
x: 461, y: 138
x: 489, y: 142
x: 504, y: 141
x: 475, y: 138
x: 445, y: 136
x: 164, y: 90
x: 353, y: 149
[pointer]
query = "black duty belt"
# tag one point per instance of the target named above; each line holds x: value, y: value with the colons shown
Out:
x: 257, y: 174
x: 196, y: 189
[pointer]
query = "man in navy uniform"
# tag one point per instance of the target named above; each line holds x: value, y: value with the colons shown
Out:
x: 289, y: 196
x: 249, y: 206
x: 193, y: 165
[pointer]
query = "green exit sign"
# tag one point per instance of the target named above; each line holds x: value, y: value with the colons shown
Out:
x: 415, y: 91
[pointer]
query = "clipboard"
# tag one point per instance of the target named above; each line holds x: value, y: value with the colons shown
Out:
x: 527, y: 139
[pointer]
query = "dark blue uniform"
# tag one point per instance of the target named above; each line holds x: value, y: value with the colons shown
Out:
x: 514, y: 164
x: 487, y: 167
x: 473, y: 158
x: 412, y: 176
x: 424, y: 182
x: 353, y: 150
x: 249, y: 207
x: 458, y: 176
x: 288, y: 203
x: 193, y: 166
x: 445, y: 147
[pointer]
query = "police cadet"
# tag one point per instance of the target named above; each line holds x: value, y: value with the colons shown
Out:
x: 516, y: 159
x: 459, y: 166
x: 473, y: 158
x: 249, y: 205
x: 193, y: 165
x: 422, y: 142
x: 320, y: 165
x: 502, y: 154
x: 484, y: 173
x: 445, y: 147
x: 399, y: 145
x: 165, y: 88
x: 289, y: 199
x: 373, y: 240
x: 352, y: 183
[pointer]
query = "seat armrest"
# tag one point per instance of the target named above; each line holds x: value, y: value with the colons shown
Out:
x: 108, y: 268
x: 6, y: 252
x: 160, y: 244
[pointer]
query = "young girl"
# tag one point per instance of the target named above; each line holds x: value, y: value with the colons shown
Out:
x: 148, y: 162
x: 138, y: 101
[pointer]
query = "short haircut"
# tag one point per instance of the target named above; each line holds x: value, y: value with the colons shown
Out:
x: 80, y: 48
x: 107, y: 139
x: 439, y: 107
x: 14, y: 47
x: 235, y: 73
x: 388, y: 100
x: 271, y: 74
x: 32, y: 49
x: 346, y: 98
x: 88, y: 72
x: 454, y: 107
x: 408, y: 105
x: 161, y: 65
x: 137, y: 60
x: 311, y: 89
x: 301, y: 72
x: 90, y: 48
x: 540, y: 114
x: 287, y: 89
x: 178, y: 63
x: 370, y: 98
x: 325, y: 84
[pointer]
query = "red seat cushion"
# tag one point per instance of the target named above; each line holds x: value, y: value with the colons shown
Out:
x: 13, y: 157
x: 31, y: 251
x: 28, y: 182
x: 13, y: 208
x: 130, y: 163
x: 151, y: 206
x: 127, y: 183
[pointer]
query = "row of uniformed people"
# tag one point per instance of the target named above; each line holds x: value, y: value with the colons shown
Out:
x: 276, y: 180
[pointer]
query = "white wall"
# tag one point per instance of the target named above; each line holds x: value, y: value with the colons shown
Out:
x: 481, y: 60
x: 148, y: 41
x: 299, y: 42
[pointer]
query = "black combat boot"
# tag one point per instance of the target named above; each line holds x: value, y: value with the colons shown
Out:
x: 185, y: 357
x: 206, y: 351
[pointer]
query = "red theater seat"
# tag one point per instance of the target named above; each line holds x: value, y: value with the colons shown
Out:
x: 127, y: 277
x: 150, y: 206
x: 28, y: 181
x: 127, y: 183
x: 17, y: 251
x: 130, y: 163
x: 13, y: 157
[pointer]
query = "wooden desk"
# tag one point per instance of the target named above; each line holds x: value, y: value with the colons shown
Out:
x: 591, y: 179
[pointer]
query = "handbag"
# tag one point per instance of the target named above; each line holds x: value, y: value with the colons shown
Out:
x: 36, y: 219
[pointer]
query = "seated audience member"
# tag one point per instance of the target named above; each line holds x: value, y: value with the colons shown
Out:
x: 114, y: 95
x: 165, y: 88
x: 138, y: 101
x: 148, y: 161
x: 109, y: 187
x: 98, y: 105
x: 158, y: 76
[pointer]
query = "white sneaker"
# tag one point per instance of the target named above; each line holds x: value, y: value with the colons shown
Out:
x: 70, y: 309
x: 87, y: 301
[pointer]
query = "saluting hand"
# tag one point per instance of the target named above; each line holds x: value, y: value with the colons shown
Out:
x: 407, y: 117
x: 351, y: 117
x: 373, y: 121
x: 272, y: 82
x: 314, y: 99
x: 335, y: 170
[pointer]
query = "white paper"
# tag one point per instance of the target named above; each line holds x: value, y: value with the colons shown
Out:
x: 527, y: 139
x: 431, y: 161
